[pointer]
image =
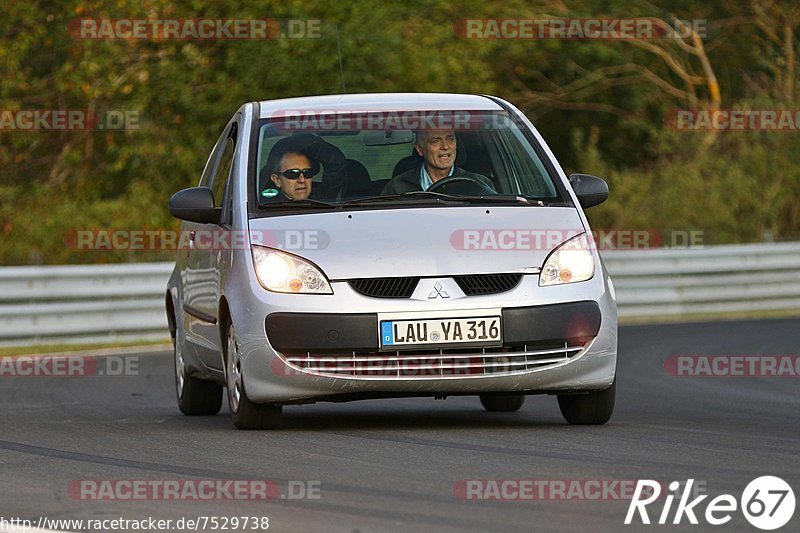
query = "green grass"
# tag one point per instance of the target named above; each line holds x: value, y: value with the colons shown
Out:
x: 10, y: 351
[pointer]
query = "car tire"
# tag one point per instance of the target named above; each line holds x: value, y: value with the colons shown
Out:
x: 593, y: 408
x: 196, y: 397
x: 502, y: 403
x: 245, y: 414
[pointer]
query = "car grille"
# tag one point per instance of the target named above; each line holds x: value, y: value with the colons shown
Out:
x: 385, y: 287
x: 481, y: 285
x: 432, y: 364
x: 472, y: 285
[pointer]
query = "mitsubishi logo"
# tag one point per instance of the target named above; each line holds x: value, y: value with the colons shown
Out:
x: 438, y: 292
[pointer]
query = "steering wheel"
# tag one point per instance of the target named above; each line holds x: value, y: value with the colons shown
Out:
x: 463, y: 185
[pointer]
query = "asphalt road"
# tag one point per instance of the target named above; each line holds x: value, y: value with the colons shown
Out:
x: 391, y: 465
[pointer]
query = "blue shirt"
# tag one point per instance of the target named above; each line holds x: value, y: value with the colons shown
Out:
x: 425, y: 180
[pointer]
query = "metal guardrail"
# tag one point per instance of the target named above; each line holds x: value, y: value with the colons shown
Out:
x: 712, y: 280
x: 95, y: 303
x: 110, y: 303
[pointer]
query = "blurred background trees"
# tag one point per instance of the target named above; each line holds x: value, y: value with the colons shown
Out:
x: 602, y: 106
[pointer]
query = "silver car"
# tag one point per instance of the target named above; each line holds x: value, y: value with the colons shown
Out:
x: 364, y: 246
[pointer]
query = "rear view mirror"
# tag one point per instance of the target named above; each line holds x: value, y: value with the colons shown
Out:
x: 590, y: 190
x: 384, y: 138
x: 195, y: 204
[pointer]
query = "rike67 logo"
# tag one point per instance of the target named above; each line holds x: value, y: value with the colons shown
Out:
x: 767, y: 503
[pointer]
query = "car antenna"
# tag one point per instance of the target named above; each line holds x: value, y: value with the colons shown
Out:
x: 339, y: 51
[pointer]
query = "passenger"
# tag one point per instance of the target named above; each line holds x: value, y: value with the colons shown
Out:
x: 294, y: 161
x: 438, y: 151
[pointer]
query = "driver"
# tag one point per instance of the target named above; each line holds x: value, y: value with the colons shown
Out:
x: 294, y: 161
x: 438, y: 151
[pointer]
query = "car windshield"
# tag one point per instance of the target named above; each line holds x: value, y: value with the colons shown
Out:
x: 426, y: 158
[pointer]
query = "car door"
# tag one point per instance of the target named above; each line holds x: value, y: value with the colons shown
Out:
x: 201, y: 279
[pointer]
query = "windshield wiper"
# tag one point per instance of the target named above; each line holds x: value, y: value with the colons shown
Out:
x: 308, y: 202
x: 506, y: 198
x: 428, y: 195
x: 501, y: 199
x: 413, y: 196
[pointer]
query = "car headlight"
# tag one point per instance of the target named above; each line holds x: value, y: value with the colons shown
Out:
x: 281, y: 272
x: 571, y: 262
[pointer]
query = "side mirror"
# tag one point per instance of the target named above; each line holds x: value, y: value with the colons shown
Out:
x: 195, y: 204
x: 590, y: 190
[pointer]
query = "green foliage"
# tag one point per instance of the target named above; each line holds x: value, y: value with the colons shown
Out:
x: 743, y: 188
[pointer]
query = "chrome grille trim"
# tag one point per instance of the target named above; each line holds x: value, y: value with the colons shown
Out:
x: 437, y: 364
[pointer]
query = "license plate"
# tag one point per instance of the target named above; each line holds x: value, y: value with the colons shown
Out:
x: 479, y: 330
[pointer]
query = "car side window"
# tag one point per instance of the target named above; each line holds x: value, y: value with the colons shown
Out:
x: 211, y: 164
x: 218, y: 181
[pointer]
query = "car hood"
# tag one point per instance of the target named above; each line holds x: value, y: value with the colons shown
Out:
x: 442, y: 241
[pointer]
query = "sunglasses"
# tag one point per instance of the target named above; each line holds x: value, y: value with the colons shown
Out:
x: 294, y: 173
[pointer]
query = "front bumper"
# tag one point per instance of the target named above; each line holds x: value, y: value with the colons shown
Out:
x: 574, y: 322
x: 268, y: 378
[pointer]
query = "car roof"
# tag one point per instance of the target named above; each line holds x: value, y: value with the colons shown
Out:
x: 379, y: 102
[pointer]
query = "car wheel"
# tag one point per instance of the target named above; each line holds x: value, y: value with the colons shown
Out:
x: 244, y: 413
x: 196, y: 397
x: 502, y: 403
x: 595, y: 407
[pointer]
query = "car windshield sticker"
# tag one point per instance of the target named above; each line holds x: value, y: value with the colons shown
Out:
x: 269, y: 193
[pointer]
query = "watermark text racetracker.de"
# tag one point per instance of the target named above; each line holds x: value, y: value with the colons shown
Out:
x: 579, y: 28
x: 211, y: 240
x: 524, y: 239
x: 344, y: 363
x: 192, y: 489
x: 69, y: 366
x: 68, y: 120
x: 733, y: 119
x: 292, y: 120
x: 544, y: 489
x: 732, y: 365
x: 185, y: 29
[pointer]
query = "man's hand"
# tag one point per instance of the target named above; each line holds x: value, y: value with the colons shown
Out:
x: 301, y: 141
